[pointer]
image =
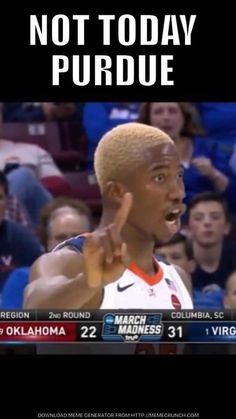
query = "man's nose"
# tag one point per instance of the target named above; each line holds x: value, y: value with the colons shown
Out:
x: 177, y: 191
x: 166, y: 115
x: 207, y: 219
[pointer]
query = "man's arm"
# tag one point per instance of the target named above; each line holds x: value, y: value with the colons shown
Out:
x: 57, y: 282
x: 66, y: 279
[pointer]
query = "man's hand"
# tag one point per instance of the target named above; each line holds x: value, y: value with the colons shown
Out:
x: 105, y: 254
x: 204, y: 166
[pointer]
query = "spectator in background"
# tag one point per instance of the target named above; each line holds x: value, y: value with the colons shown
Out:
x: 219, y: 121
x: 229, y: 302
x: 31, y: 174
x: 178, y: 251
x: 60, y: 220
x: 16, y: 212
x: 206, y: 168
x: 230, y: 292
x: 18, y: 246
x: 41, y: 111
x: 208, y: 223
x: 98, y: 118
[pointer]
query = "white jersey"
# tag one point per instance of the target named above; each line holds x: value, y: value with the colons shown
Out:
x: 137, y: 290
x: 134, y: 290
x: 165, y: 290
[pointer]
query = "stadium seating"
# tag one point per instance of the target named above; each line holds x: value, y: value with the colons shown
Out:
x: 84, y: 186
x: 65, y: 141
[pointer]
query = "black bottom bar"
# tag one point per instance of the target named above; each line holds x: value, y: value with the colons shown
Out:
x: 118, y: 384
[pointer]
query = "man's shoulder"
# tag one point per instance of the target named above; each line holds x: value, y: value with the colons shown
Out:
x: 76, y: 243
x: 16, y: 228
x: 229, y: 250
x: 229, y: 244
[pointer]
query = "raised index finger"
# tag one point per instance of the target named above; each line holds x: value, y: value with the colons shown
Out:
x: 123, y: 212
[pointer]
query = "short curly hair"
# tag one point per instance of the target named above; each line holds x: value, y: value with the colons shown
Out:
x: 120, y: 150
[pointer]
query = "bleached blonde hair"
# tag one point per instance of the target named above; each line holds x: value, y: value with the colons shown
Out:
x: 120, y: 150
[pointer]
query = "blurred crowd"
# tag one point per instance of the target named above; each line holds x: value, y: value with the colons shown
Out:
x: 49, y: 192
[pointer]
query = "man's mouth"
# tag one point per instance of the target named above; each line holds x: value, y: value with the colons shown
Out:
x: 173, y: 216
x: 167, y: 128
x: 208, y: 232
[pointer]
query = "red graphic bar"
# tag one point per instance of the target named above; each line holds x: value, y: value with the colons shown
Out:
x: 37, y: 332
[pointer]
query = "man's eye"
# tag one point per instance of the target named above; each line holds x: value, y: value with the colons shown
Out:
x: 159, y: 178
x: 181, y: 174
x: 198, y: 218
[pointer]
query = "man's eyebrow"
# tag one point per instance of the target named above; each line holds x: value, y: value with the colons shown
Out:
x: 210, y: 213
x: 157, y: 166
x: 215, y: 213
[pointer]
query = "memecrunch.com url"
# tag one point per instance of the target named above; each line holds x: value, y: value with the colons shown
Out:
x: 136, y: 415
x: 172, y: 415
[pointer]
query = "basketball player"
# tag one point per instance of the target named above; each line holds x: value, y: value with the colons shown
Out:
x: 140, y: 177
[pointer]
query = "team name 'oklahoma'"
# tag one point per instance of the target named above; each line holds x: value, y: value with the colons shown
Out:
x: 35, y: 330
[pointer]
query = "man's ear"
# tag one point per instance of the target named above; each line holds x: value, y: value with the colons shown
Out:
x: 115, y: 190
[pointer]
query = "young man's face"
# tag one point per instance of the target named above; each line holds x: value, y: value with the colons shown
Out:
x: 207, y: 223
x: 168, y: 117
x: 158, y: 191
x: 230, y: 297
x: 175, y: 254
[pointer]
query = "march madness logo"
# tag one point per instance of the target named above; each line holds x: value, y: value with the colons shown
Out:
x: 132, y: 327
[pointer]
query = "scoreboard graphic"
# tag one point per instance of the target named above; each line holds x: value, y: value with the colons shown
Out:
x: 120, y: 326
x: 132, y: 327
